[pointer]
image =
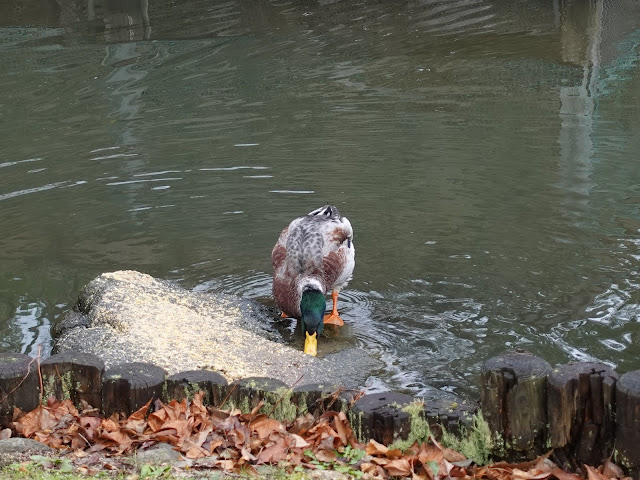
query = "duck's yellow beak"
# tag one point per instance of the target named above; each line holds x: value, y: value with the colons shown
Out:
x: 311, y: 344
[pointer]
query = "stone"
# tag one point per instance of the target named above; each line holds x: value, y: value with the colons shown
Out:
x: 24, y: 445
x: 127, y: 316
x: 161, y: 454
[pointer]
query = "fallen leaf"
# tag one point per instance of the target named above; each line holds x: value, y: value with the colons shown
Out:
x: 299, y: 441
x: 593, y: 474
x: 399, y: 468
x: 375, y: 448
x: 265, y: 426
x: 611, y: 470
x: 562, y: 475
x: 530, y: 475
x: 275, y: 453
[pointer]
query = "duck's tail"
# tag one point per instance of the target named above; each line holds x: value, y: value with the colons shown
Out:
x: 330, y: 211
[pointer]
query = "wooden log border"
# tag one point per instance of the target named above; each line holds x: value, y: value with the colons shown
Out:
x: 584, y: 411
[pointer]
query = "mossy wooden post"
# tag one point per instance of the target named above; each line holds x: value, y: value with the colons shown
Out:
x: 628, y: 422
x: 247, y: 393
x: 186, y: 384
x: 74, y: 376
x: 454, y: 414
x: 317, y: 399
x: 581, y: 410
x: 513, y: 396
x: 19, y: 385
x: 128, y: 386
x: 380, y: 416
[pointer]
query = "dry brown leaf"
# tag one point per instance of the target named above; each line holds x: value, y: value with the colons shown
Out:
x: 399, y: 468
x: 532, y: 474
x: 301, y: 425
x: 395, y: 453
x: 275, y: 453
x: 326, y: 455
x: 196, y: 452
x: 265, y: 426
x: 299, y: 442
x: 453, y: 456
x: 375, y: 448
x: 593, y: 474
x: 562, y: 475
x: 611, y: 470
x: 367, y: 467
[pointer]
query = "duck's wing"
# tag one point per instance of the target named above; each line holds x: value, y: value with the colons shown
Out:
x: 317, y: 247
x: 338, y: 256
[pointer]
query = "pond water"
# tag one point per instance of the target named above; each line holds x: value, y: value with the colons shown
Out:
x: 486, y: 153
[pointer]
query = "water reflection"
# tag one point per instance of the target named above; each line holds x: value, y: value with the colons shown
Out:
x: 484, y: 151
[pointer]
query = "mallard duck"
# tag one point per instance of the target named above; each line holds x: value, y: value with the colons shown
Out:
x: 314, y: 255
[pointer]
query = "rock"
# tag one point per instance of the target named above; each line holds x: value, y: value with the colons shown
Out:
x: 161, y: 454
x: 128, y: 316
x: 24, y: 446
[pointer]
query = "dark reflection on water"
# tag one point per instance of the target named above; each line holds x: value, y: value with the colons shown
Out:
x: 483, y: 150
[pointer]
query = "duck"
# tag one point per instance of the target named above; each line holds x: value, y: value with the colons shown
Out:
x: 314, y: 256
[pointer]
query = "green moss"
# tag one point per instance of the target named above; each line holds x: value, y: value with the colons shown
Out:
x: 419, y: 430
x: 475, y: 442
x: 355, y: 420
x: 278, y: 404
x: 621, y: 459
x: 50, y: 382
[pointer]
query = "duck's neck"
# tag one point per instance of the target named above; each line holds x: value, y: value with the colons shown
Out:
x: 312, y: 307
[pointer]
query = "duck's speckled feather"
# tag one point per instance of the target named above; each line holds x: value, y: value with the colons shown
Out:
x: 315, y: 251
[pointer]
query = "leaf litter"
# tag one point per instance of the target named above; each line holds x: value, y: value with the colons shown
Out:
x: 236, y: 442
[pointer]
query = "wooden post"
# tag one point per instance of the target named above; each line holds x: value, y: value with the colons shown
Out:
x: 453, y: 414
x: 128, y: 386
x: 317, y: 398
x: 380, y: 416
x: 186, y: 384
x: 513, y: 395
x: 628, y: 421
x: 248, y: 392
x: 581, y: 413
x: 19, y: 385
x: 74, y: 376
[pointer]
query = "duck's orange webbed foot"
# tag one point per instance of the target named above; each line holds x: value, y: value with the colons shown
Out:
x: 333, y: 318
x: 284, y: 315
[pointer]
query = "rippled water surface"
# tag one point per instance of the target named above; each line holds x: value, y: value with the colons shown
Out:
x: 486, y: 153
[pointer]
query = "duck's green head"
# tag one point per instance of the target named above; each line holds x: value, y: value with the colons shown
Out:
x: 312, y: 307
